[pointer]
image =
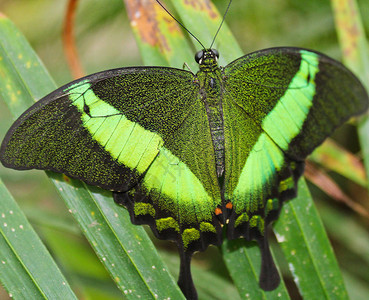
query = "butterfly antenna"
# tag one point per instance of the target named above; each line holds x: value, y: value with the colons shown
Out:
x: 181, y: 24
x: 221, y: 24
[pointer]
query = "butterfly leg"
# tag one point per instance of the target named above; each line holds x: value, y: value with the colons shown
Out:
x: 269, y: 278
x: 185, y: 281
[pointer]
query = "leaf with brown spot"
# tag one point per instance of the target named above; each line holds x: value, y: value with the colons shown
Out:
x: 204, y: 6
x: 157, y: 34
x: 203, y: 20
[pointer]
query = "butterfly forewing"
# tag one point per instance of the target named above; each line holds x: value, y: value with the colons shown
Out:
x: 134, y: 127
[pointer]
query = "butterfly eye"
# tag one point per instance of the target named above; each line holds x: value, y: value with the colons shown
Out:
x: 215, y: 52
x: 199, y: 55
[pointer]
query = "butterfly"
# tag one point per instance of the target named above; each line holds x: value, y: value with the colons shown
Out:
x: 193, y: 155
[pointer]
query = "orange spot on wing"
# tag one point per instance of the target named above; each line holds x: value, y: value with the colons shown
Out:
x: 218, y: 211
x: 229, y: 205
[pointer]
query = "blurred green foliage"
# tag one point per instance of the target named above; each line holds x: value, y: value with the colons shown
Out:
x: 105, y: 41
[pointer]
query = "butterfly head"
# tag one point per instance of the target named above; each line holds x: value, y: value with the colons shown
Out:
x: 207, y: 57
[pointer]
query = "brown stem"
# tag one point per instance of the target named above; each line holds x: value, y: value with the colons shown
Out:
x: 70, y: 49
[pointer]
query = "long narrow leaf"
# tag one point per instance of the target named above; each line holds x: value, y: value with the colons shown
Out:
x: 335, y: 158
x: 27, y: 269
x: 159, y: 38
x: 21, y: 71
x: 310, y: 257
x: 203, y: 20
x: 355, y: 51
x: 243, y: 261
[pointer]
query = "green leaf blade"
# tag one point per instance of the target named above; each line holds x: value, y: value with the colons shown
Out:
x: 27, y: 269
x: 21, y: 71
x: 354, y: 45
x: 203, y: 20
x: 336, y: 158
x: 244, y: 258
x: 159, y: 38
x: 310, y: 257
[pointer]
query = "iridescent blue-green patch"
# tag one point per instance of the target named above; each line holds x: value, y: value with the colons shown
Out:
x: 271, y: 205
x: 286, y: 184
x: 257, y: 221
x: 243, y: 218
x: 144, y: 209
x: 207, y: 227
x: 167, y: 223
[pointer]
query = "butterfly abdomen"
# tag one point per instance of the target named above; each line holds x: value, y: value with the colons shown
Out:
x: 211, y: 95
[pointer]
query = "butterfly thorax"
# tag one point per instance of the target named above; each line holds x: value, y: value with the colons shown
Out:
x: 211, y: 94
x: 207, y: 60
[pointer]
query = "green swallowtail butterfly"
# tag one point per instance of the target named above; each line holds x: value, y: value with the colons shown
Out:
x: 193, y: 155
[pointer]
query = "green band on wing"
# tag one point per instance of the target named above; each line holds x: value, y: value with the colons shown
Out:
x: 281, y: 125
x: 265, y: 159
x: 183, y: 189
x: 143, y: 151
x: 126, y: 141
x: 285, y: 121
